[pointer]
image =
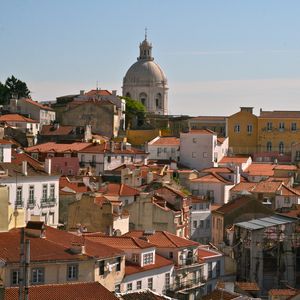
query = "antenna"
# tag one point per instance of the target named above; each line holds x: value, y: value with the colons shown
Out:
x: 97, y: 85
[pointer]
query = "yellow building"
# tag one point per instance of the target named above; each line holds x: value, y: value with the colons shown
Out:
x: 278, y: 131
x: 242, y: 131
x: 10, y: 217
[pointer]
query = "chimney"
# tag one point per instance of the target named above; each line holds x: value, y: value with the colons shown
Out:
x: 149, y: 177
x: 237, y: 175
x: 81, y: 92
x: 24, y: 167
x: 48, y: 166
x: 112, y: 146
x: 146, y: 147
x: 114, y: 92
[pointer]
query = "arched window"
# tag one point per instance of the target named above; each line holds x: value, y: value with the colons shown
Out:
x: 143, y: 99
x: 269, y: 146
x: 158, y: 101
x: 281, y: 148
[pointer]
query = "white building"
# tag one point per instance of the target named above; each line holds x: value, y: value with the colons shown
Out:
x: 200, y: 220
x: 33, y: 109
x: 146, y: 82
x: 164, y: 148
x: 201, y: 149
x: 31, y: 187
x: 108, y: 156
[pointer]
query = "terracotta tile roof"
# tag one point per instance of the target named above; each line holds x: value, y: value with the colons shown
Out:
x: 282, y: 292
x: 233, y: 204
x: 118, y: 189
x: 234, y: 159
x: 260, y: 170
x: 38, y: 104
x: 167, y: 141
x: 280, y: 114
x: 120, y: 242
x: 60, y: 130
x: 293, y: 212
x: 58, y: 147
x: 216, y: 170
x: 287, y: 191
x: 244, y: 186
x: 15, y: 169
x: 131, y: 268
x: 16, y: 118
x: 248, y: 286
x: 91, y: 248
x: 168, y: 192
x: 105, y: 148
x: 163, y: 239
x: 143, y: 295
x: 218, y: 294
x: 66, y: 291
x: 98, y: 92
x: 5, y: 142
x: 78, y: 187
x: 267, y: 187
x: 204, y: 254
x: 286, y: 167
x: 211, y: 178
x: 17, y: 158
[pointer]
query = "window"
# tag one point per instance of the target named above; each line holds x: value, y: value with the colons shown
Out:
x: 150, y: 283
x: 122, y: 159
x: 37, y: 276
x: 52, y: 191
x: 170, y: 254
x: 286, y: 200
x: 117, y: 288
x: 193, y: 154
x: 135, y: 257
x: 19, y: 196
x: 139, y: 285
x: 218, y: 269
x: 15, y: 277
x: 195, y: 224
x: 94, y: 158
x: 118, y: 266
x: 237, y: 128
x: 205, y: 155
x: 281, y: 125
x: 249, y: 128
x: 269, y: 146
x: 129, y: 286
x: 101, y: 267
x: 207, y: 223
x: 51, y: 218
x: 201, y: 223
x: 293, y: 126
x: 269, y: 126
x: 45, y: 192
x: 148, y: 258
x: 298, y: 155
x: 167, y: 281
x: 72, y: 272
x: 209, y: 270
x: 83, y: 158
x: 109, y: 159
x: 281, y: 148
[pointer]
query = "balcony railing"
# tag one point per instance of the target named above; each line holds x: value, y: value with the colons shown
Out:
x: 186, y: 284
x: 19, y: 203
x: 31, y: 203
x: 93, y: 164
x: 48, y: 202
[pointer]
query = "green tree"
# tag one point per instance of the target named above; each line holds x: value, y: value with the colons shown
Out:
x: 17, y: 87
x: 134, y: 113
x: 4, y: 94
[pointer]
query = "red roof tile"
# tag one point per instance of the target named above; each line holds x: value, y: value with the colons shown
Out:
x: 211, y: 178
x: 248, y: 286
x: 66, y: 291
x: 164, y: 239
x: 218, y: 294
x: 78, y: 187
x: 160, y: 262
x: 16, y: 118
x: 57, y: 147
x: 260, y: 169
x: 98, y: 92
x: 166, y: 141
x: 200, y: 131
x: 59, y: 130
x: 234, y: 159
x: 282, y: 292
x: 40, y: 105
x: 233, y: 204
x: 204, y: 254
x: 18, y: 158
x: 117, y: 189
x: 286, y: 167
x: 279, y: 114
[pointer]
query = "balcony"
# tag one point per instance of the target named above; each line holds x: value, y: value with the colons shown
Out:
x: 82, y: 164
x: 93, y: 164
x: 186, y: 284
x: 19, y: 203
x: 48, y: 202
x: 31, y: 203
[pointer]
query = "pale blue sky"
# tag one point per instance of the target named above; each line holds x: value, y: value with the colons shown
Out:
x: 217, y: 55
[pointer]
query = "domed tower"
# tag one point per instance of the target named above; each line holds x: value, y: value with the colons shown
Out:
x: 145, y: 81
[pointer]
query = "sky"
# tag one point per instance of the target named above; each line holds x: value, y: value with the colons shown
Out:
x: 218, y: 55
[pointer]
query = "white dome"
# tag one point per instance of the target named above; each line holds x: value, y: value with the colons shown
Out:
x: 145, y: 72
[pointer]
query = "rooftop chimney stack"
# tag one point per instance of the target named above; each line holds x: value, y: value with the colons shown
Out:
x: 24, y: 167
x: 48, y: 166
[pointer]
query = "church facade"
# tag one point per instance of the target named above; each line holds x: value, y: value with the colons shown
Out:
x: 146, y: 82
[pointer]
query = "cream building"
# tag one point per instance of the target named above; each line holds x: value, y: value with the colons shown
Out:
x: 145, y: 81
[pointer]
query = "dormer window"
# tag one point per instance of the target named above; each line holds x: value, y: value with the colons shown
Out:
x: 148, y: 258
